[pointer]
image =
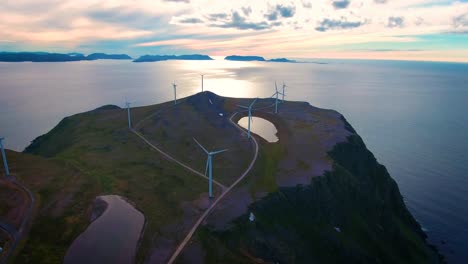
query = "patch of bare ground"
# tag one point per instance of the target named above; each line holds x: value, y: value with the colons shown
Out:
x: 174, y: 128
x: 312, y: 133
x: 166, y: 240
x: 193, y: 254
x: 306, y: 134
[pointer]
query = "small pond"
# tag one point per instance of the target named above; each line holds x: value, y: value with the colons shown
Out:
x: 111, y: 238
x: 261, y: 127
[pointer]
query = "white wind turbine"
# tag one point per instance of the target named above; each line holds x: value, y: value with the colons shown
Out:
x: 209, y: 166
x: 127, y: 104
x: 284, y: 86
x: 250, y: 115
x: 202, y: 81
x: 276, y: 94
x: 174, y: 85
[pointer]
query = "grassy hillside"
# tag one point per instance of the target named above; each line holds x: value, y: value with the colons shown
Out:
x: 353, y: 213
x: 111, y: 160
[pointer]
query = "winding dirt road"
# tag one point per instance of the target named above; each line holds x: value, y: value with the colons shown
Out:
x: 15, y: 235
x: 187, y: 238
x: 205, y: 214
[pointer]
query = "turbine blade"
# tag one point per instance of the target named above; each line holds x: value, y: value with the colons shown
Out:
x: 276, y: 87
x: 217, y: 152
x: 253, y: 102
x: 204, y: 149
x: 243, y: 106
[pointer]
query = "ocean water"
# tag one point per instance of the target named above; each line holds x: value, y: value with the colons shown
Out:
x: 412, y: 115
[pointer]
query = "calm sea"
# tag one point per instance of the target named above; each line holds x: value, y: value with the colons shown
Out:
x: 412, y: 115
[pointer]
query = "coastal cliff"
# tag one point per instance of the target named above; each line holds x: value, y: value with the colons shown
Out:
x: 318, y: 194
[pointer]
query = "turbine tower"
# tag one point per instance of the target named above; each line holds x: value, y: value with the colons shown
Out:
x: 202, y: 82
x: 127, y: 104
x: 250, y: 115
x: 284, y: 86
x: 209, y: 166
x: 276, y: 94
x: 5, y: 163
x: 175, y: 92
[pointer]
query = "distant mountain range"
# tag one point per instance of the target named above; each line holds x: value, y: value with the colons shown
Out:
x: 255, y: 58
x: 57, y: 57
x: 152, y: 58
x: 75, y: 56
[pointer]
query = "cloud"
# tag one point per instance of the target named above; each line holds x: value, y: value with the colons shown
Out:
x: 272, y: 16
x: 306, y: 4
x: 332, y: 24
x: 341, y: 4
x: 389, y: 50
x: 247, y: 10
x: 281, y: 10
x: 239, y: 22
x: 117, y: 15
x: 217, y: 16
x: 460, y: 21
x: 394, y: 22
x: 191, y: 20
x: 286, y: 11
x: 217, y: 26
x: 178, y: 1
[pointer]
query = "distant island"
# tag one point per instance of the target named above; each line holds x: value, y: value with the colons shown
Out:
x: 57, y: 57
x: 255, y: 58
x: 152, y: 58
x: 103, y: 56
x: 244, y: 58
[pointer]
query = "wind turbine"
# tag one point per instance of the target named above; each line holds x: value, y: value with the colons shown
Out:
x: 5, y: 163
x: 276, y: 94
x: 250, y: 115
x: 202, y: 81
x: 127, y: 104
x: 175, y: 92
x: 284, y: 86
x: 209, y: 167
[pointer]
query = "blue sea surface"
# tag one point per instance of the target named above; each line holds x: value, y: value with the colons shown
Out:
x: 412, y: 115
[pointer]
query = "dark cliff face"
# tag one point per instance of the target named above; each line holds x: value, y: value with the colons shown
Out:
x: 353, y: 214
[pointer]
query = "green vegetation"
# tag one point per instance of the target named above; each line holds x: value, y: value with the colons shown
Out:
x: 174, y: 128
x: 106, y: 158
x: 352, y: 214
x: 266, y: 169
x: 297, y: 225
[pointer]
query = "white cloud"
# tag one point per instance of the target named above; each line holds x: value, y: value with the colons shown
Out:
x: 206, y: 25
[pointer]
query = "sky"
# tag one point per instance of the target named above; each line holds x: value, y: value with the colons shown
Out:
x: 434, y: 30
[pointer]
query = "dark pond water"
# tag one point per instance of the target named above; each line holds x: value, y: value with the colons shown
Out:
x: 111, y: 238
